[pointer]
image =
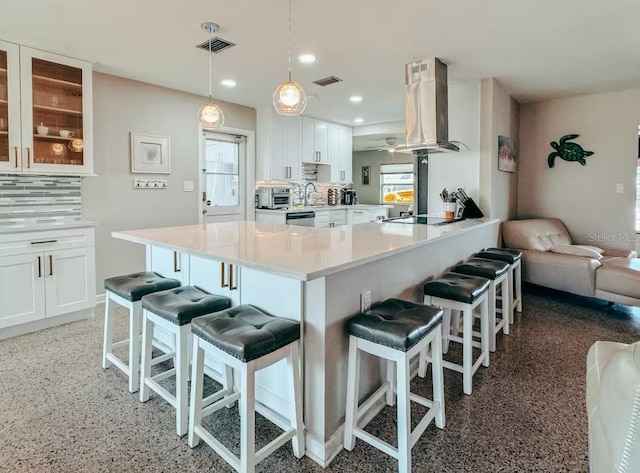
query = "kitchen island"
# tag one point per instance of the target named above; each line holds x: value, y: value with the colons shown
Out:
x: 317, y: 276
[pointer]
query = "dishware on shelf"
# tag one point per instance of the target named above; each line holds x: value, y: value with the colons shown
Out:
x: 42, y: 130
x: 3, y: 124
x: 66, y: 133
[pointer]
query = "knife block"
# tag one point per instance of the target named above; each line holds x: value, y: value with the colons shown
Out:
x: 471, y: 210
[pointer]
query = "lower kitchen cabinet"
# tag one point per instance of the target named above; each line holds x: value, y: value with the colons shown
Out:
x: 46, y: 274
x: 215, y: 277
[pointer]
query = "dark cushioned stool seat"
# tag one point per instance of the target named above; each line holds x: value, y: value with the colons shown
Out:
x: 484, y: 268
x: 246, y: 332
x: 507, y: 255
x: 133, y: 286
x: 395, y: 323
x: 182, y: 304
x: 457, y: 287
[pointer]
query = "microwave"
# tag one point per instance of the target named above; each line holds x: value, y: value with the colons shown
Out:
x: 273, y: 197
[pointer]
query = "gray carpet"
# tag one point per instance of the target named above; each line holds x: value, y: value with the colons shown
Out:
x: 60, y: 412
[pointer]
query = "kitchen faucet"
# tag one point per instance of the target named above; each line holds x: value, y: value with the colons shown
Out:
x: 306, y: 193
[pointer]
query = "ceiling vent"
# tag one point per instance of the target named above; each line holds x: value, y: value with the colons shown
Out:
x: 327, y: 81
x: 217, y: 45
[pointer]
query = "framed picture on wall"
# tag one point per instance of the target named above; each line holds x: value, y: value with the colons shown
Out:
x: 150, y: 154
x: 366, y: 173
x: 507, y: 154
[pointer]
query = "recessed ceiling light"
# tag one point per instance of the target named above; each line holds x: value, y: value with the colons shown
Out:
x: 359, y: 120
x: 307, y: 58
x: 355, y: 98
x: 229, y: 83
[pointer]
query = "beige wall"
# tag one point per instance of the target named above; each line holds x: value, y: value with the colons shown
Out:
x: 583, y: 197
x: 122, y: 106
x: 500, y: 115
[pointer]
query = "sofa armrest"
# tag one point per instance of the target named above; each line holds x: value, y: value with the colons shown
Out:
x: 561, y: 261
x: 616, y: 252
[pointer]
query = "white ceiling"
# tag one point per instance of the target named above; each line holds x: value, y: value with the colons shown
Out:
x: 537, y: 49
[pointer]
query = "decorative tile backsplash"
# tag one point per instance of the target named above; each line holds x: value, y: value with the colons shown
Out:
x: 34, y: 200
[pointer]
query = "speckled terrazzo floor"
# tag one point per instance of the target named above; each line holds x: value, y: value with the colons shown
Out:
x: 60, y: 412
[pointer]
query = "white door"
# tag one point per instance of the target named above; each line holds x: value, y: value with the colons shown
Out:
x: 10, y: 147
x: 224, y: 177
x: 69, y: 280
x: 21, y: 289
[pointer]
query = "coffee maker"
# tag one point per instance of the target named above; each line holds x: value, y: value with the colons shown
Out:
x: 349, y: 197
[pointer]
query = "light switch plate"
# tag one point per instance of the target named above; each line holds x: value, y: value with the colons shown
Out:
x: 188, y: 186
x: 620, y: 188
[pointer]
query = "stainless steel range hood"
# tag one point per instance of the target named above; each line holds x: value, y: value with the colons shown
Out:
x: 426, y: 108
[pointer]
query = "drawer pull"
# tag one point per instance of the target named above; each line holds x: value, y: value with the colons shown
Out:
x: 50, y: 265
x: 43, y: 242
x: 222, y: 283
x: 39, y: 267
x: 175, y: 262
x: 15, y: 151
x: 231, y: 286
x: 28, y: 157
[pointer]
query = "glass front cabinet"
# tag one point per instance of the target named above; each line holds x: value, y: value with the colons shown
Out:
x: 45, y: 112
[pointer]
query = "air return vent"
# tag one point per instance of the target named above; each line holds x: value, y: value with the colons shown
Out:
x: 327, y: 81
x: 217, y: 45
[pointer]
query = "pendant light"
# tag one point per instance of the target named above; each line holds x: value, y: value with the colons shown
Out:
x: 210, y: 115
x: 289, y: 98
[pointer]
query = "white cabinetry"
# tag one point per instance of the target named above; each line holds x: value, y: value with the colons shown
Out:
x: 315, y: 141
x: 341, y: 151
x: 37, y: 87
x: 215, y: 277
x: 279, y: 146
x: 366, y: 215
x: 46, y: 274
x: 330, y: 218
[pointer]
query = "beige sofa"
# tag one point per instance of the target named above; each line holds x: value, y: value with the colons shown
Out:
x: 615, y: 276
x: 613, y: 407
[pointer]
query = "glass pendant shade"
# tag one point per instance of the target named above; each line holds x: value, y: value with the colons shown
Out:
x: 210, y: 116
x: 76, y: 145
x: 289, y: 99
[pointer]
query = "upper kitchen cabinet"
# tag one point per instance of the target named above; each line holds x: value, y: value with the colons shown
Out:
x: 10, y: 147
x: 56, y: 113
x: 341, y: 153
x: 315, y: 141
x: 279, y: 144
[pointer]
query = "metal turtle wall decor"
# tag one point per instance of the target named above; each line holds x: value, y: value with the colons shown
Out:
x: 568, y: 151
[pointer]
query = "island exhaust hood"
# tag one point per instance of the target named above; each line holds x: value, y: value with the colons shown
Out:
x: 426, y: 108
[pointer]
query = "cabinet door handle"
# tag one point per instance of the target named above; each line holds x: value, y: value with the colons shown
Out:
x: 15, y: 152
x: 222, y: 283
x: 43, y: 242
x: 50, y: 265
x: 231, y: 286
x: 39, y: 266
x: 28, y: 157
x: 175, y: 262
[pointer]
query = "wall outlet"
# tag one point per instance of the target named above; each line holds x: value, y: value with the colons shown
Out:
x: 188, y: 186
x: 365, y: 301
x: 620, y: 188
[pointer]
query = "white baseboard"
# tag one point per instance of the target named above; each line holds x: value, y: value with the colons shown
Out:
x: 45, y: 323
x: 100, y: 298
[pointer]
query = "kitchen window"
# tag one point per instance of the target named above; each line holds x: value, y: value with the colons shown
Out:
x: 396, y: 183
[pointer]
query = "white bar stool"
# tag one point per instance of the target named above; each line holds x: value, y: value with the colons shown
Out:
x: 453, y: 291
x: 173, y: 311
x: 246, y: 339
x: 498, y: 273
x: 514, y: 258
x: 397, y: 331
x: 128, y: 291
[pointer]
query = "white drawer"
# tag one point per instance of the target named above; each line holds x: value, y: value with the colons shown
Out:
x: 35, y: 242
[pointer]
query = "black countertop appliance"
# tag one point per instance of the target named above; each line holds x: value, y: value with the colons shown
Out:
x: 349, y: 197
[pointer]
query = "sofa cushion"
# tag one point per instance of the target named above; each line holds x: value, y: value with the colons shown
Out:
x: 578, y: 250
x: 535, y: 234
x: 620, y: 276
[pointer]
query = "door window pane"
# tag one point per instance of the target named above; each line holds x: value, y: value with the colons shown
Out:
x: 222, y: 181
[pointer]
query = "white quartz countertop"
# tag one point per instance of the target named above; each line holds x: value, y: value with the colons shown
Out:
x: 302, y: 253
x: 326, y: 207
x: 41, y: 227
